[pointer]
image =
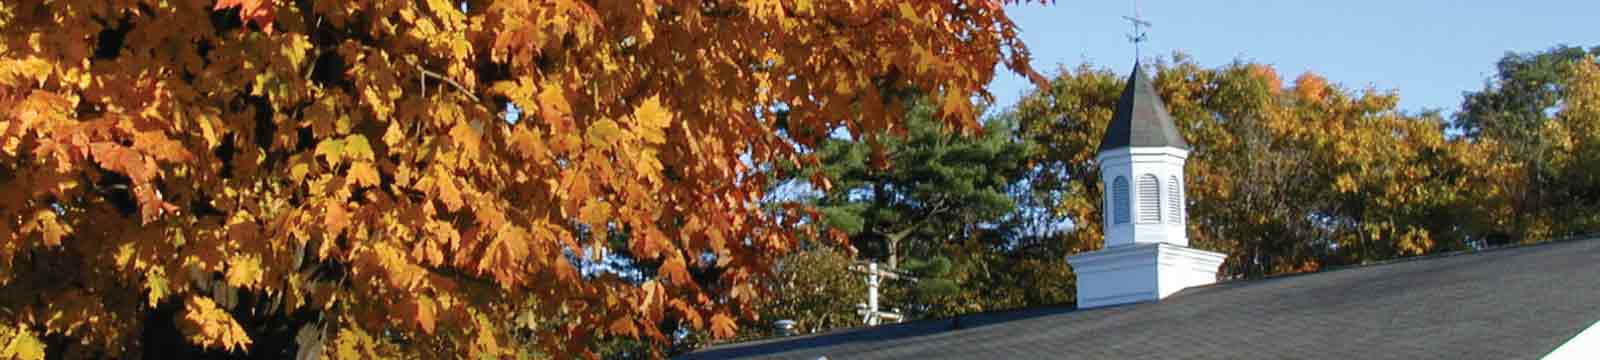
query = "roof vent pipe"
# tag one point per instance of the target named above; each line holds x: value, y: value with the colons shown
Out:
x: 784, y: 327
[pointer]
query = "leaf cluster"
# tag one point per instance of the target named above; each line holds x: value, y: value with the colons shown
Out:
x: 431, y: 178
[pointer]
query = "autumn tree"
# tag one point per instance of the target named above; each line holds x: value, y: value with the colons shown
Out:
x: 378, y: 178
x: 1576, y: 135
x: 1524, y: 119
x: 1283, y: 178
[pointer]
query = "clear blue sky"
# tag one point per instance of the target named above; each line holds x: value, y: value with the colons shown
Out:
x: 1429, y: 50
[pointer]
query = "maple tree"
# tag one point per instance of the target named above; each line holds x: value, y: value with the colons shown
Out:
x: 380, y: 178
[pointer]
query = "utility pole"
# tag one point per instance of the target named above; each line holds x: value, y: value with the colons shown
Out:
x: 871, y: 312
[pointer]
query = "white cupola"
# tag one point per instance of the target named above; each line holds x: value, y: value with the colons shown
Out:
x: 1146, y: 255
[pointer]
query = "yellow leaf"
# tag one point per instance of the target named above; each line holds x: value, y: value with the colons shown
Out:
x: 209, y: 326
x: 528, y: 143
x: 298, y: 171
x: 909, y: 13
x: 449, y: 194
x: 1345, y: 184
x: 331, y: 150
x: 652, y: 121
x: 364, y: 174
x: 155, y: 280
x: 465, y: 137
x: 595, y: 212
x: 357, y: 147
x: 553, y: 104
x: 23, y: 346
x: 244, y: 271
x: 296, y: 49
x: 352, y: 343
x: 394, y: 135
x: 375, y: 97
x: 604, y: 133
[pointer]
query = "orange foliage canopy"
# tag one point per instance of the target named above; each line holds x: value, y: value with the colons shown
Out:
x: 390, y: 177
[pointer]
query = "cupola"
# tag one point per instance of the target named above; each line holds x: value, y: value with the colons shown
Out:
x: 1146, y: 256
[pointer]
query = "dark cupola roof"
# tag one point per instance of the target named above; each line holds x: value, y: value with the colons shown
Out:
x: 1140, y: 119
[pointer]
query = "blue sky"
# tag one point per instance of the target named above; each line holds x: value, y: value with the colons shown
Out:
x: 1429, y: 50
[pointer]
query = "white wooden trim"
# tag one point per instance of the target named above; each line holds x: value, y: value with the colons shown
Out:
x: 1585, y: 345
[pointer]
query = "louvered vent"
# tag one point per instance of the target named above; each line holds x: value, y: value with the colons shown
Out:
x: 1149, y: 199
x: 1174, y: 201
x: 1119, y: 200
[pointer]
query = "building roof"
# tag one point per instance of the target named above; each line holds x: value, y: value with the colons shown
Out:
x: 1519, y: 302
x: 1140, y: 118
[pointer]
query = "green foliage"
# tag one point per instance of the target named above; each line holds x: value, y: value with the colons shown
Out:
x: 1525, y: 92
x: 946, y: 203
x: 1525, y: 119
x: 815, y: 288
x: 926, y: 184
x: 976, y: 275
x: 1285, y: 176
x: 1282, y: 178
x: 933, y: 277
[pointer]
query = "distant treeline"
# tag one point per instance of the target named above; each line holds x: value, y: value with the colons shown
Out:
x: 1285, y: 176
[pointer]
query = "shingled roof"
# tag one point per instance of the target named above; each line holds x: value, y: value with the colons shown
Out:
x: 1140, y: 118
x: 1509, y: 303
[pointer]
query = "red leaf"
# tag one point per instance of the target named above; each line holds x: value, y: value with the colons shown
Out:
x: 259, y: 12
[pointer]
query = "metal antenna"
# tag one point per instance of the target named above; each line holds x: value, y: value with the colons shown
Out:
x: 1139, y: 25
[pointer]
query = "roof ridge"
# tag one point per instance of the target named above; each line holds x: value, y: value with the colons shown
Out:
x: 943, y: 325
x: 1406, y: 259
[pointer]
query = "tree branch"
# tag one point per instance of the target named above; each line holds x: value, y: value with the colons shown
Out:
x: 426, y: 73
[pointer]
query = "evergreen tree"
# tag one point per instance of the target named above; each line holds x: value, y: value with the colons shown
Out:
x: 905, y: 194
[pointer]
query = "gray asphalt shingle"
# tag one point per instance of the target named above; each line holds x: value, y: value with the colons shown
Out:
x: 1509, y: 303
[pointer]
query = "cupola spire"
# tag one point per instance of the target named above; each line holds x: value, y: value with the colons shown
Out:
x: 1146, y: 256
x: 1141, y: 119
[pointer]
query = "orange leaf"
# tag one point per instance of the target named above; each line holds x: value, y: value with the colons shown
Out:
x: 335, y: 217
x: 425, y: 314
x: 624, y: 327
x: 448, y: 193
x: 722, y: 326
x: 675, y: 271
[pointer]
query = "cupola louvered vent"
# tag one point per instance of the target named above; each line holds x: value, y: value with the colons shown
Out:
x: 1149, y: 199
x: 1174, y: 201
x: 1119, y: 201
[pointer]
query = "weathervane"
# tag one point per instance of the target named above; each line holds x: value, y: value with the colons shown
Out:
x: 1139, y: 25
